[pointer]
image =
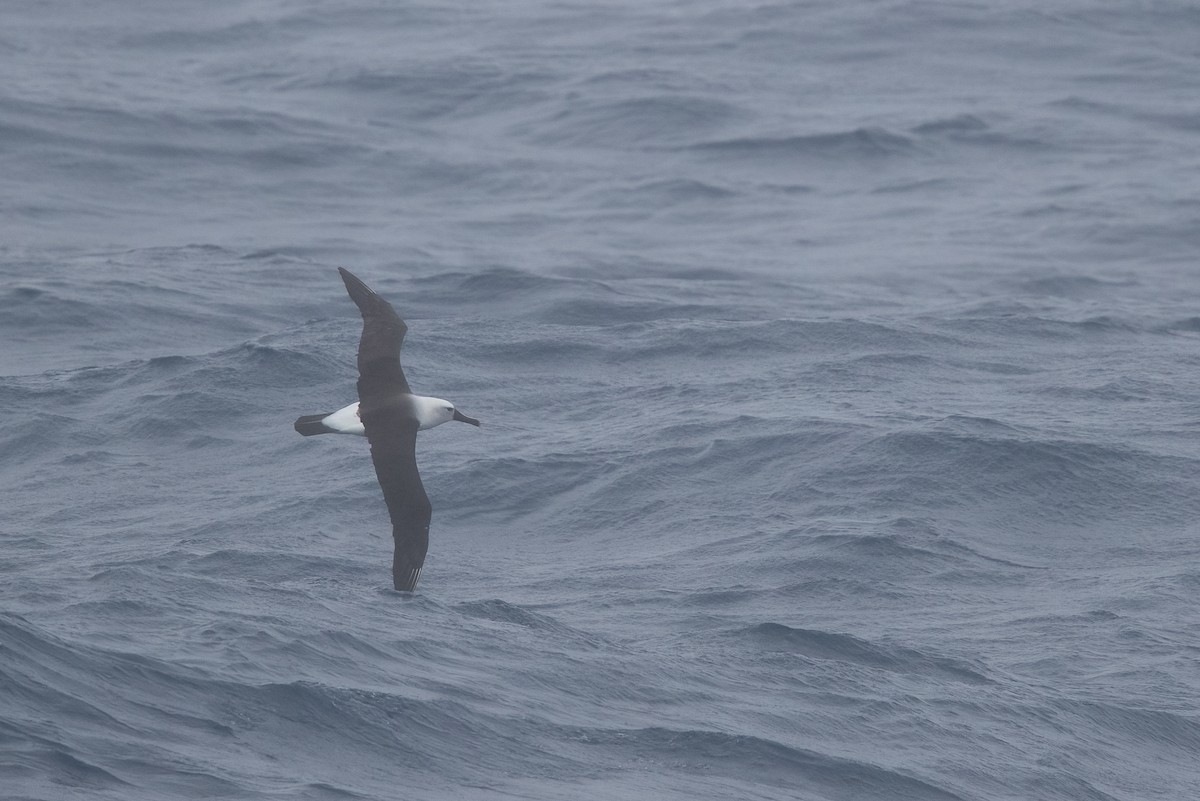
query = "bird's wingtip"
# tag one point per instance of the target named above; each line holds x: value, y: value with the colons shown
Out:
x: 406, y: 580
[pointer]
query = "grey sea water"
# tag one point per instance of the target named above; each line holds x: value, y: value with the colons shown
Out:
x: 838, y: 365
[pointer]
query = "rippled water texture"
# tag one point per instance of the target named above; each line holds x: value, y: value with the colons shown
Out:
x: 837, y: 365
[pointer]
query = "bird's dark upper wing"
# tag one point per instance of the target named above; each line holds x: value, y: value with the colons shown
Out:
x: 391, y: 428
x: 392, y: 432
x: 379, y: 374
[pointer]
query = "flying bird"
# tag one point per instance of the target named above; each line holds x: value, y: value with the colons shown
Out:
x: 389, y: 415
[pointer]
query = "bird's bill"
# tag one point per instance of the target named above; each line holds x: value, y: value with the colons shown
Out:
x: 462, y: 418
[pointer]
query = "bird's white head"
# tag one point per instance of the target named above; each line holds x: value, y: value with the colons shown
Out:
x: 435, y: 411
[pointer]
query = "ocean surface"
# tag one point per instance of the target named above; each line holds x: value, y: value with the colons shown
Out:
x: 838, y: 364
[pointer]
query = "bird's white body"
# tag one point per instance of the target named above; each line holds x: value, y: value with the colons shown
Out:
x: 430, y: 412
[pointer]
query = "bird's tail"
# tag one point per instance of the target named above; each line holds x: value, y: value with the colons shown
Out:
x: 310, y: 425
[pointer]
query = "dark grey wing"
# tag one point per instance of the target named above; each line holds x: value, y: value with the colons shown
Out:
x: 391, y: 429
x: 379, y: 372
x: 393, y: 437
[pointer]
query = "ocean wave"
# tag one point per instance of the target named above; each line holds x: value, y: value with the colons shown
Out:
x: 1020, y: 319
x: 680, y: 190
x: 161, y: 710
x: 426, y: 91
x: 720, y: 753
x: 553, y: 300
x: 1062, y: 479
x: 958, y: 124
x: 815, y: 644
x: 501, y: 611
x: 735, y: 338
x: 1071, y: 286
x: 656, y: 121
x: 976, y: 131
x: 854, y: 145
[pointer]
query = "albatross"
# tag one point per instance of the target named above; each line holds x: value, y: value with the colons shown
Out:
x: 389, y: 415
